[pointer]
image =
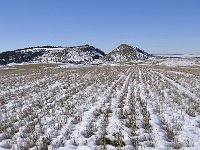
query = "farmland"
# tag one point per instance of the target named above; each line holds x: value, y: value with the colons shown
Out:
x: 44, y: 106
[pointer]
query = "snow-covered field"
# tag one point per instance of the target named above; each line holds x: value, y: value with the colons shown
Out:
x: 179, y: 55
x: 180, y: 62
x: 45, y: 106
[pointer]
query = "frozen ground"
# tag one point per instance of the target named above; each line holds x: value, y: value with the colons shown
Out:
x: 177, y: 60
x: 145, y: 106
x: 180, y: 62
x: 179, y: 55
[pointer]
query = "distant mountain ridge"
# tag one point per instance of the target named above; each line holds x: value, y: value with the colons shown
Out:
x: 83, y: 54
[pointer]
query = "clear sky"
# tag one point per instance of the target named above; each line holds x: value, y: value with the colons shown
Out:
x: 157, y: 26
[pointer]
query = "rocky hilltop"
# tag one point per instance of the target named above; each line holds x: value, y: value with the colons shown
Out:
x: 126, y: 53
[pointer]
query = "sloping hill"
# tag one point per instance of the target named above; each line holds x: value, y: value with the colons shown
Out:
x: 48, y: 54
x: 126, y: 53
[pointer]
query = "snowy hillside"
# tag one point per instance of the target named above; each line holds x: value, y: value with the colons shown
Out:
x: 77, y: 54
x: 126, y: 53
x: 50, y: 54
x: 84, y: 54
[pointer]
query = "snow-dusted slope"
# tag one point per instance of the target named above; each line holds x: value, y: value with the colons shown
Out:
x: 126, y: 53
x: 49, y: 54
x: 77, y: 54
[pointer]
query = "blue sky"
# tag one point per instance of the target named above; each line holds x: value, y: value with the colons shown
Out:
x: 157, y: 26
